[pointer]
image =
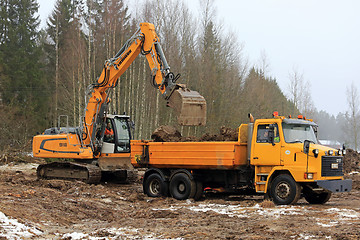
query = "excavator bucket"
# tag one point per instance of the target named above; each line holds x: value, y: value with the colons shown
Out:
x: 189, y: 106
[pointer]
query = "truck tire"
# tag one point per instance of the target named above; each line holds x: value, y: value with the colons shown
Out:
x: 155, y: 186
x: 182, y: 187
x: 284, y: 190
x: 316, y: 198
x: 199, y: 190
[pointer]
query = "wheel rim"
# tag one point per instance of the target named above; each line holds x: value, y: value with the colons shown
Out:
x: 283, y: 190
x: 154, y: 187
x: 181, y: 187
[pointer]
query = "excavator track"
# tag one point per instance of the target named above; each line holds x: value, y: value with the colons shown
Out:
x: 88, y: 173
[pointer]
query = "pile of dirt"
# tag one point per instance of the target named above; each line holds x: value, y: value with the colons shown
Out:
x: 170, y: 134
x: 351, y: 161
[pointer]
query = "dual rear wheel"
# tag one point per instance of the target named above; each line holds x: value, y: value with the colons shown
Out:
x: 181, y: 186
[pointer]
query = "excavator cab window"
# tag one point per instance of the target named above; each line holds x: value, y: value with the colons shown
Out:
x: 122, y: 135
x: 109, y: 132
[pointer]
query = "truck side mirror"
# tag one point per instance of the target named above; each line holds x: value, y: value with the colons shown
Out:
x: 306, y: 146
x: 271, y: 134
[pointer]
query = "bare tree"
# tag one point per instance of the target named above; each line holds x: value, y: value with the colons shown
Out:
x: 264, y: 64
x: 295, y: 88
x: 300, y: 95
x: 352, y: 115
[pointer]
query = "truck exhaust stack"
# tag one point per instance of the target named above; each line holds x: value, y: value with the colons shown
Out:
x: 190, y: 106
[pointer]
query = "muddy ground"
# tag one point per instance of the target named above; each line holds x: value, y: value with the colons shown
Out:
x: 57, y: 209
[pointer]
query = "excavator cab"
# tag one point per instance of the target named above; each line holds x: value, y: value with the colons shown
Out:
x: 117, y: 134
x: 190, y: 106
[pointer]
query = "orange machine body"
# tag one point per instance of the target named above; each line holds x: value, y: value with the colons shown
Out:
x: 190, y: 155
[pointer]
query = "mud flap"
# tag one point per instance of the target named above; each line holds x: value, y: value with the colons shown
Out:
x: 190, y: 106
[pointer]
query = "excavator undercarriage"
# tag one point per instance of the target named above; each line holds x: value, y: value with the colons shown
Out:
x: 85, y: 172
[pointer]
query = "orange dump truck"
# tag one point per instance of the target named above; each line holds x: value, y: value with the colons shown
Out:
x: 279, y: 157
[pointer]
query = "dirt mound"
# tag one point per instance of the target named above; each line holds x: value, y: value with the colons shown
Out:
x: 171, y: 134
x: 351, y: 161
x: 166, y: 134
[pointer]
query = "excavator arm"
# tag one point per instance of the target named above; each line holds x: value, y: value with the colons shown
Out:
x: 189, y: 106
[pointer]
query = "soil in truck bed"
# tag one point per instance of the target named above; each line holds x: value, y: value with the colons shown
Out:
x: 167, y: 133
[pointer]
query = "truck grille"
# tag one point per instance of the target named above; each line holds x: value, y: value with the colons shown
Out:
x: 332, y: 166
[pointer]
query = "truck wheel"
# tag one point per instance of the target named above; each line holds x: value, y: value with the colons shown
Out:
x: 182, y: 187
x: 316, y: 198
x: 155, y: 186
x: 284, y: 190
x: 199, y: 190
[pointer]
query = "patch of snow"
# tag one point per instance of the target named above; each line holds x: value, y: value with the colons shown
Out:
x: 107, y: 200
x: 116, y: 233
x: 354, y: 173
x: 75, y: 236
x: 12, y: 229
x: 330, y: 224
x: 345, y: 213
x: 241, y: 211
x: 306, y: 236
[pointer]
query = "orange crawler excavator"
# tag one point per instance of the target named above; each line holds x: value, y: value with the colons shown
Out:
x: 88, y: 145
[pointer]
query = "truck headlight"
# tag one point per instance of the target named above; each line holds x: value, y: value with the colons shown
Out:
x: 309, y: 175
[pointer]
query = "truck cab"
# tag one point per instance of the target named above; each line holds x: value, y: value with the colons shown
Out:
x: 289, y: 147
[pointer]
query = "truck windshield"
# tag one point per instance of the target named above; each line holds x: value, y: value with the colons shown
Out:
x: 298, y: 133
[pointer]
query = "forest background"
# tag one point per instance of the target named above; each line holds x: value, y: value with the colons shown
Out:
x: 44, y: 73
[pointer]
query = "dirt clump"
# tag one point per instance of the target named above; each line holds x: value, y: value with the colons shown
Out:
x: 170, y: 134
x: 351, y: 161
x: 166, y: 133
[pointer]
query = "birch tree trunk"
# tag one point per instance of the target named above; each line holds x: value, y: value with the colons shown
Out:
x: 143, y: 110
x: 56, y: 69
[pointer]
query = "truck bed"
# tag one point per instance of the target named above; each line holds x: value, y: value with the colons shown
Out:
x: 190, y: 155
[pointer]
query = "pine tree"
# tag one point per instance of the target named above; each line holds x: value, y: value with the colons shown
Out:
x: 22, y: 83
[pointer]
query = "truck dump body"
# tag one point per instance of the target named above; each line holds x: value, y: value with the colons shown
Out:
x: 190, y: 155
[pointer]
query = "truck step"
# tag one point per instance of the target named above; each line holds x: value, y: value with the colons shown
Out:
x: 260, y: 183
x: 262, y: 174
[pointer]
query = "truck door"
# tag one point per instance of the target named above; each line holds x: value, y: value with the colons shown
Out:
x: 264, y: 152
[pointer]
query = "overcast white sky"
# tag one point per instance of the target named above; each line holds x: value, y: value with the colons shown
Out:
x: 320, y: 38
